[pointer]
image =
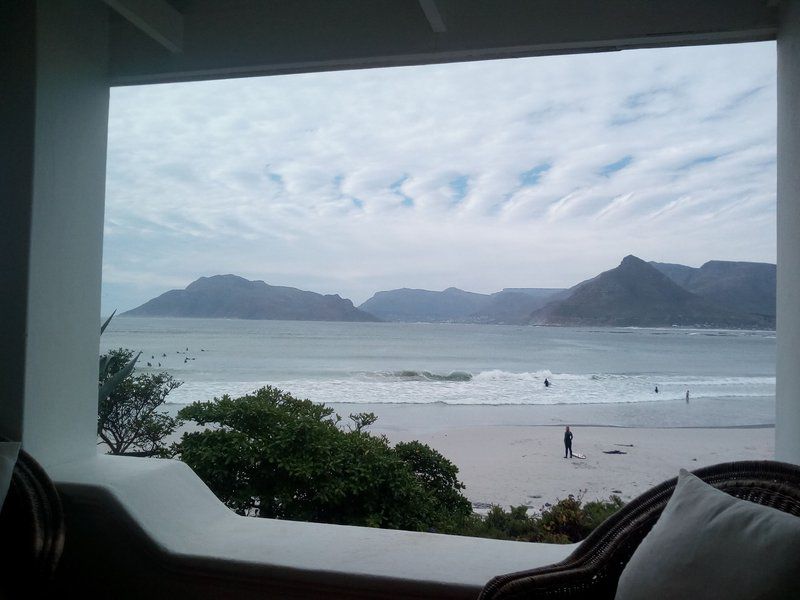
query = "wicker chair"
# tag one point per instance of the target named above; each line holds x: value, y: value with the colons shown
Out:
x: 31, y: 529
x: 592, y: 571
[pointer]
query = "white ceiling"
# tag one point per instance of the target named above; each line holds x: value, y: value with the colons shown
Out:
x: 155, y: 40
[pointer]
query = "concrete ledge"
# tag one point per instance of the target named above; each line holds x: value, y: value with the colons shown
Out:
x: 148, y: 526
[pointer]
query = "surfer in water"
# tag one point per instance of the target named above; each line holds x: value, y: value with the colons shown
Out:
x: 656, y: 389
x: 567, y: 442
x: 546, y: 382
x: 687, y: 396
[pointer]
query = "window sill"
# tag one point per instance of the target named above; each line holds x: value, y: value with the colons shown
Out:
x: 165, y: 510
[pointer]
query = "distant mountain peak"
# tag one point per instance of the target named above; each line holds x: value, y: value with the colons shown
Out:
x: 744, y: 287
x: 234, y: 297
x: 218, y: 280
x: 637, y: 293
x: 634, y: 262
x: 724, y: 294
x: 736, y: 263
x: 415, y: 305
x: 454, y: 305
x: 227, y: 277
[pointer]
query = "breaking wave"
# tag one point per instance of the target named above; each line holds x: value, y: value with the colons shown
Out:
x: 490, y: 387
x: 427, y: 376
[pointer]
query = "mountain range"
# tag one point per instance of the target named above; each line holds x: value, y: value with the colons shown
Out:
x: 233, y: 297
x: 640, y: 294
x: 511, y: 305
x: 740, y: 286
x: 719, y: 294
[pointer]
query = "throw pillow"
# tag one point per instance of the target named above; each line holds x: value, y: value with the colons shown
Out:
x: 707, y: 544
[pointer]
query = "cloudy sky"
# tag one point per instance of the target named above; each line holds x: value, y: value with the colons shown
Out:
x: 533, y: 172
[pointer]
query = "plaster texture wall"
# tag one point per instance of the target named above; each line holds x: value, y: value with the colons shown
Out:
x: 57, y: 216
x: 152, y: 528
x: 787, y: 417
x: 17, y: 118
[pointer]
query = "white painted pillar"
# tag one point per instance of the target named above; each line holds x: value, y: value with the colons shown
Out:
x: 787, y: 413
x: 18, y: 77
x: 52, y: 259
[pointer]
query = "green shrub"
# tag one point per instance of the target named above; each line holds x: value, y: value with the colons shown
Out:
x: 273, y: 455
x: 129, y: 419
x: 563, y: 522
x: 566, y: 521
x: 515, y: 524
x: 597, y: 511
x: 114, y: 367
x: 270, y: 454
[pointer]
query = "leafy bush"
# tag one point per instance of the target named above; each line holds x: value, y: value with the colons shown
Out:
x: 128, y: 420
x: 597, y: 511
x: 563, y: 522
x: 273, y: 455
x: 566, y: 521
x: 112, y: 369
x: 515, y: 524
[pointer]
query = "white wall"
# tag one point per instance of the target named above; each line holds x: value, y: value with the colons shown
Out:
x: 787, y: 418
x: 59, y: 220
x: 18, y: 79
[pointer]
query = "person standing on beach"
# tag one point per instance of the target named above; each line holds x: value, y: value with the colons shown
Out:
x: 567, y: 442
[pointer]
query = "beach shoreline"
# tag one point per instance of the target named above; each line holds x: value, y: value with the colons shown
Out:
x: 512, y: 455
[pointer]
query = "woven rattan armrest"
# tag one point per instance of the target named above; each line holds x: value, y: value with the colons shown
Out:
x: 592, y: 571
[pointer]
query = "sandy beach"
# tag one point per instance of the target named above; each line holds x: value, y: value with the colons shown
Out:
x: 513, y: 455
x: 513, y: 465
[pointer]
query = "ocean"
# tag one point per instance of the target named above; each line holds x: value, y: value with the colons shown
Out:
x: 420, y: 375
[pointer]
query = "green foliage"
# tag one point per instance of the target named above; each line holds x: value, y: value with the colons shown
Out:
x: 597, y: 511
x: 566, y: 521
x: 128, y: 420
x: 440, y: 477
x: 112, y: 371
x: 362, y: 421
x: 563, y: 522
x: 515, y: 524
x: 273, y: 455
x: 107, y: 321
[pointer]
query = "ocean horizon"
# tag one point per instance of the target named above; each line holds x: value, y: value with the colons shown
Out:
x: 491, y: 374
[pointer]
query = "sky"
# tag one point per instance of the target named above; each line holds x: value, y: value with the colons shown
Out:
x: 536, y: 172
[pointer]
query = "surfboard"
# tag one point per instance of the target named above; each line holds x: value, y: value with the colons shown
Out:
x: 576, y: 455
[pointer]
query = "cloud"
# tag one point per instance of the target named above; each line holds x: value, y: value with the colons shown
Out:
x: 524, y: 172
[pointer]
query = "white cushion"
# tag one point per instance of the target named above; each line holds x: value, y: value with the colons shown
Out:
x: 708, y: 544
